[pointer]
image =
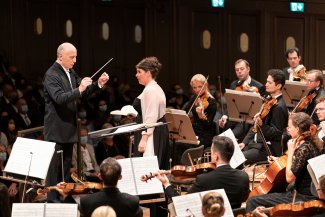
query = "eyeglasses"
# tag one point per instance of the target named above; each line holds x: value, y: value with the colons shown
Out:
x: 310, y: 81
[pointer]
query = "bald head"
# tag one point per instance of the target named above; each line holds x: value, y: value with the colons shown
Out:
x: 67, y: 55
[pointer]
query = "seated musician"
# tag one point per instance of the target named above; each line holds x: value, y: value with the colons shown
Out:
x: 314, y: 85
x: 235, y: 182
x: 295, y: 68
x: 123, y: 204
x: 244, y: 83
x: 203, y: 110
x: 304, y: 145
x: 320, y: 111
x: 273, y: 124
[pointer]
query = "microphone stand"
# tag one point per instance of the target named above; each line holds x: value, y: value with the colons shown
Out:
x: 24, y: 189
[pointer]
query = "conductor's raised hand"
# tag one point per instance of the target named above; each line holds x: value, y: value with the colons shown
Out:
x: 85, y: 82
x: 103, y: 79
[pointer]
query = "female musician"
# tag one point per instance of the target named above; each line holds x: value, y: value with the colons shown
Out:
x: 151, y: 105
x: 304, y: 145
x: 203, y: 110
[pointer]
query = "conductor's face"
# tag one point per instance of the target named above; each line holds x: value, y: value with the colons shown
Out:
x: 68, y: 57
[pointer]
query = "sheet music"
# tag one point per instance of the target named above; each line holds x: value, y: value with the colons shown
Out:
x: 127, y: 183
x: 27, y: 209
x: 61, y: 210
x: 21, y: 157
x: 318, y: 165
x: 142, y: 166
x: 185, y: 204
x: 133, y: 169
x: 293, y: 91
x: 128, y: 129
x: 238, y: 157
x: 189, y: 204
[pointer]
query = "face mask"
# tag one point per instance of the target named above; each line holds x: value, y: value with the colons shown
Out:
x: 83, y: 139
x: 179, y: 91
x: 213, y: 92
x: 3, y: 156
x: 117, y: 118
x: 103, y: 108
x: 82, y: 114
x: 24, y: 108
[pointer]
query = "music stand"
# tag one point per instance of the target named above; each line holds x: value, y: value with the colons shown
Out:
x: 180, y: 128
x: 242, y: 106
x: 293, y: 91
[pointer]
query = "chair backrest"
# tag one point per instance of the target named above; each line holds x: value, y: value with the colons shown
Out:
x: 195, y: 153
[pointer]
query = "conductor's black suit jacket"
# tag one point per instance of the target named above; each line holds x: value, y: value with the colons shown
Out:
x: 60, y: 121
x: 234, y: 182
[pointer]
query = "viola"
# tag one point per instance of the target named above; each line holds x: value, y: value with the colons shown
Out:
x: 304, y: 102
x: 182, y: 172
x: 73, y: 188
x: 308, y: 208
x: 244, y: 86
x: 265, y: 109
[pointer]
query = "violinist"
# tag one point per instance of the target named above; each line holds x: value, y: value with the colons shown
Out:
x: 272, y: 124
x: 123, y: 204
x: 244, y: 83
x: 295, y: 71
x: 303, y: 146
x: 204, y: 108
x: 234, y: 181
x: 320, y: 111
x: 315, y: 87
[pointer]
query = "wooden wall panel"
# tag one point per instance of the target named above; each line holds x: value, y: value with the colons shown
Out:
x: 243, y: 24
x: 319, y: 43
x: 283, y: 28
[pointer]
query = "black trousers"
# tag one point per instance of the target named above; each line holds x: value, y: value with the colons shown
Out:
x: 54, y: 174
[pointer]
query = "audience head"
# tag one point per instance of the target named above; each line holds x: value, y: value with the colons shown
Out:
x: 277, y: 76
x: 110, y: 171
x: 83, y: 135
x: 103, y: 211
x: 242, y: 69
x: 197, y: 82
x: 213, y: 205
x: 222, y: 149
x: 149, y: 64
x: 293, y: 57
x: 66, y: 55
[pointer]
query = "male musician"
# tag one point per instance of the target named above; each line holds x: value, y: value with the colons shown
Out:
x: 315, y: 87
x: 272, y: 126
x: 320, y: 111
x: 123, y: 204
x: 242, y: 69
x: 293, y: 58
x: 235, y: 182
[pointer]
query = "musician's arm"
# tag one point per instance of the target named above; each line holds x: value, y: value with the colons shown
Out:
x: 290, y: 177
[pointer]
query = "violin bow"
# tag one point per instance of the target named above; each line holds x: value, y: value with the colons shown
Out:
x: 198, y: 95
x: 219, y: 81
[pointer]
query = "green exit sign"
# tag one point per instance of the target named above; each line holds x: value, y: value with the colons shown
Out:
x: 297, y: 6
x: 218, y: 3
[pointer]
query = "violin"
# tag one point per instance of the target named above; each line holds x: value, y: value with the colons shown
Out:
x: 304, y: 101
x: 203, y: 103
x: 244, y: 86
x: 265, y: 109
x: 73, y: 188
x: 308, y: 208
x: 182, y: 172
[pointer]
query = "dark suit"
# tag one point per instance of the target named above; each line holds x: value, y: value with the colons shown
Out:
x: 125, y: 205
x: 235, y: 182
x: 272, y: 128
x: 311, y: 106
x: 60, y: 122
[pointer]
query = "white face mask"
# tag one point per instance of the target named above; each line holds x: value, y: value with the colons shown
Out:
x: 83, y: 139
x: 24, y: 108
x: 103, y: 108
x: 3, y: 156
x: 82, y: 114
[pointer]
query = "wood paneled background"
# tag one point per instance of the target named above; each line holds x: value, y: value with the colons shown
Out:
x: 172, y: 30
